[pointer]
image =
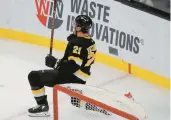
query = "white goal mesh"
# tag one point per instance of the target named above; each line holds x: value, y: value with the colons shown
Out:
x: 83, y: 102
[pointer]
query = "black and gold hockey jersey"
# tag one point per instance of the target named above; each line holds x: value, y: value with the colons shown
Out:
x: 80, y: 55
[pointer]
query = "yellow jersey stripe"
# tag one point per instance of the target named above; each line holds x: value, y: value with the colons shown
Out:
x: 76, y: 59
x: 83, y: 74
x: 40, y: 91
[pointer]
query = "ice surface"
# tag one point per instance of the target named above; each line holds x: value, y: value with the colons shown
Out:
x: 18, y: 59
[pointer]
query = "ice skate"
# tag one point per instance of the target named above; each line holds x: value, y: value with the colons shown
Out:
x: 39, y: 111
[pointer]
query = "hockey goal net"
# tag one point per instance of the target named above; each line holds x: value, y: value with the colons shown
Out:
x: 83, y: 102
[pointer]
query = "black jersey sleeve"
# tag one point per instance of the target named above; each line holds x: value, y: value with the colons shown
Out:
x: 90, y: 54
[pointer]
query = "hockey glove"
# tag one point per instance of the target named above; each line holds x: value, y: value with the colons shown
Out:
x: 50, y: 61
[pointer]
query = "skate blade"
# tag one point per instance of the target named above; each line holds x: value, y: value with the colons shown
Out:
x: 42, y: 114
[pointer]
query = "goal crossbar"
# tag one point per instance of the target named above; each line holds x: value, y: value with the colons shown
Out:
x: 59, y: 88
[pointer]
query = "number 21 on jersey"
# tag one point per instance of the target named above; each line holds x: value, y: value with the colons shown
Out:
x: 77, y: 50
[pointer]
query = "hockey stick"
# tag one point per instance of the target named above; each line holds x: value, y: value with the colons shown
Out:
x: 53, y: 25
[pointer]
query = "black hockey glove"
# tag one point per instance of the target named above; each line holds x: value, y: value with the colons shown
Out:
x: 50, y: 61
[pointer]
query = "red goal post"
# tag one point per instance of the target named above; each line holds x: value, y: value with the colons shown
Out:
x: 64, y: 89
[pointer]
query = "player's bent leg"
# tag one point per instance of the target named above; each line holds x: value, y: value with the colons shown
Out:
x: 38, y: 91
x: 39, y: 79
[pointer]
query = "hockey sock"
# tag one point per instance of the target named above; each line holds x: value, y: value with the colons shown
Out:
x: 38, y: 92
x: 41, y: 100
x: 39, y: 95
x: 37, y: 87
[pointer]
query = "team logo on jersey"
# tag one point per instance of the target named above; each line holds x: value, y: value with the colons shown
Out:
x: 45, y: 12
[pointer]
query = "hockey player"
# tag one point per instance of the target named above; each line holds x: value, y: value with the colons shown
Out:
x: 74, y: 67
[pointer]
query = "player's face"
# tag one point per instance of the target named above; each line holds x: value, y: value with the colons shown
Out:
x: 76, y: 28
x: 73, y: 24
